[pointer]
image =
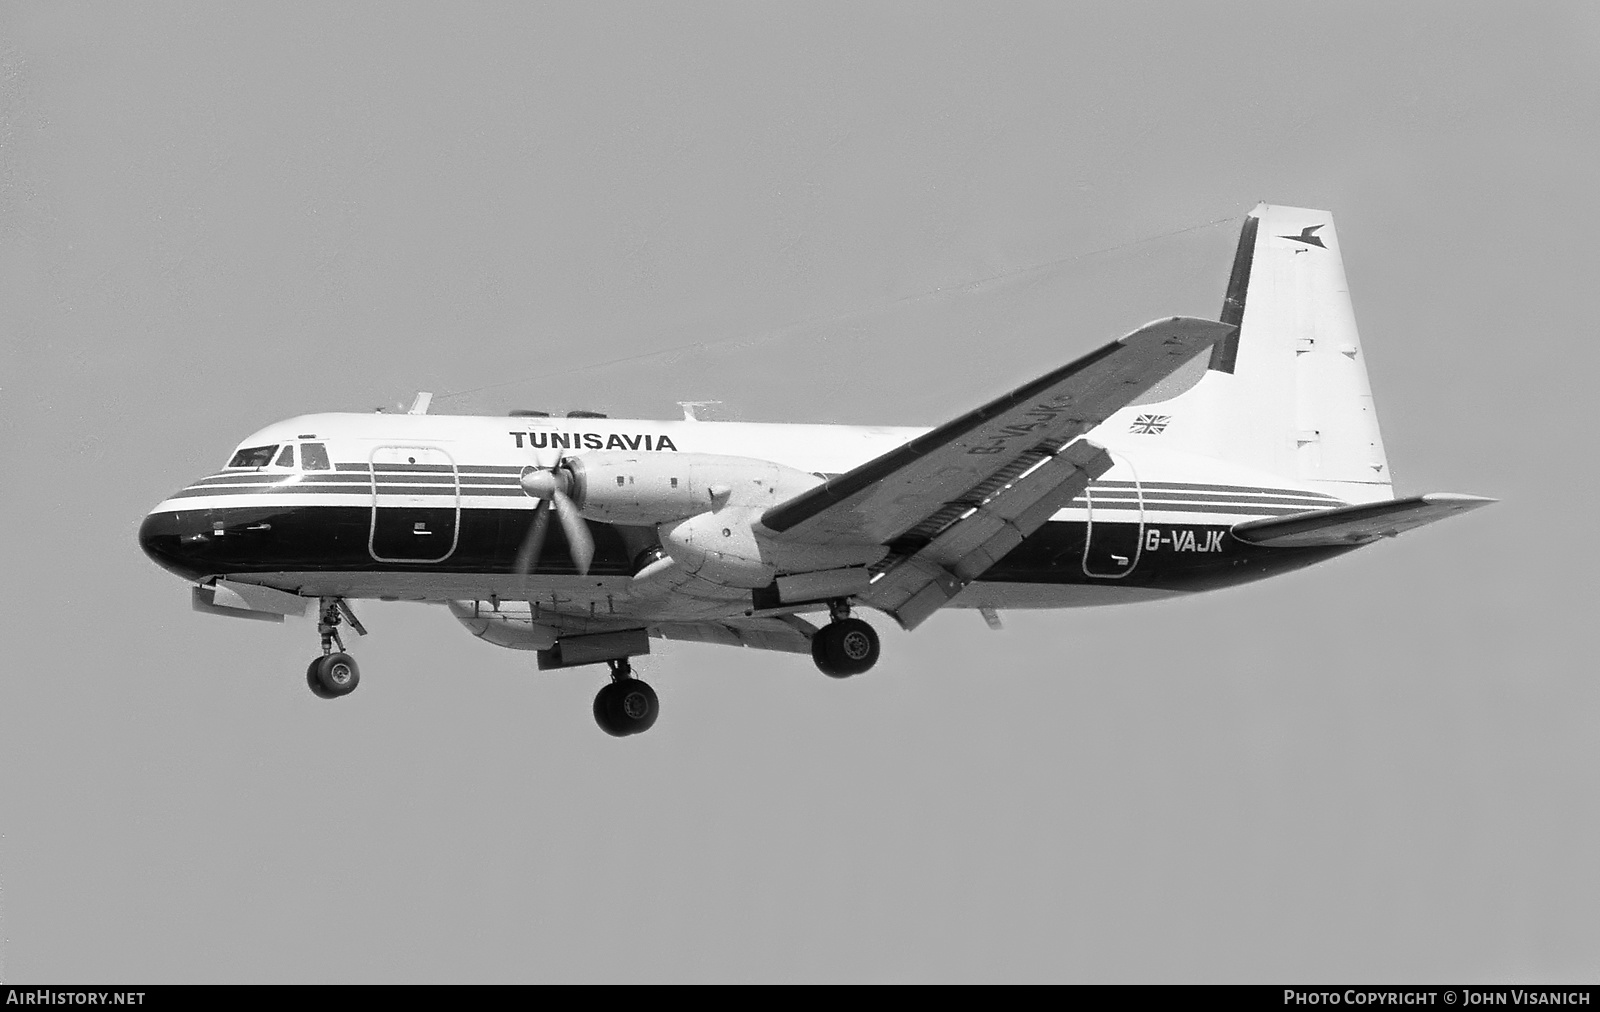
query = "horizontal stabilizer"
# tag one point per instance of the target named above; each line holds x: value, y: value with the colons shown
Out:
x: 1355, y: 525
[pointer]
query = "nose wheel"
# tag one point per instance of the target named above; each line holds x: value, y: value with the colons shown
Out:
x: 626, y: 705
x: 333, y: 676
x: 335, y: 673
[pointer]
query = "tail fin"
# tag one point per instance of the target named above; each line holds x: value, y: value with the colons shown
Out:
x: 1288, y: 393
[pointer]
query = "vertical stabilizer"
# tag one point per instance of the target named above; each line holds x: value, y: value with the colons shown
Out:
x: 1288, y: 393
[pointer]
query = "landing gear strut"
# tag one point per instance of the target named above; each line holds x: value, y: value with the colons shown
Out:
x: 626, y: 705
x: 334, y: 674
x: 845, y: 646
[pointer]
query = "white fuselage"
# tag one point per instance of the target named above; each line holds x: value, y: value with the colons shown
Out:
x: 1155, y: 507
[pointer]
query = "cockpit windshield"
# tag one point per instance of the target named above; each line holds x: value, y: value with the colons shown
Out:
x: 253, y: 456
x: 314, y: 457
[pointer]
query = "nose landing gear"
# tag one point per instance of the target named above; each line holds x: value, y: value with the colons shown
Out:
x: 846, y: 646
x: 334, y: 674
x: 626, y: 705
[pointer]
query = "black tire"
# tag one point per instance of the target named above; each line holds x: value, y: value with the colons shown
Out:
x: 311, y: 679
x: 604, y: 712
x: 820, y: 654
x: 626, y: 707
x: 844, y: 648
x: 338, y: 674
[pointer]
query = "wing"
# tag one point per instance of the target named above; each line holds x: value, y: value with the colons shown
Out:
x: 920, y: 487
x: 1355, y: 525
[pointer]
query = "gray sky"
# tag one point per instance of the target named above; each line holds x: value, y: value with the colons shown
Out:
x: 1384, y: 768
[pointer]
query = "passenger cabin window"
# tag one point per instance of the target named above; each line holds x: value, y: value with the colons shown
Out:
x: 254, y: 456
x: 314, y: 457
x: 286, y: 458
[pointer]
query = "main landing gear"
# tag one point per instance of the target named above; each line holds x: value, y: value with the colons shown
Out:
x: 334, y: 674
x: 626, y: 705
x: 845, y: 646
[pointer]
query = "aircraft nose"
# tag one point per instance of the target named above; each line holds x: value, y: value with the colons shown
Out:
x: 161, y: 538
x: 149, y: 537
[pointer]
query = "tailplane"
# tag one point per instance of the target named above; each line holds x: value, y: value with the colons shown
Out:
x: 1355, y: 525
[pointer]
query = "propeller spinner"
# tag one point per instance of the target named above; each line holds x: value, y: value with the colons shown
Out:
x: 553, y: 486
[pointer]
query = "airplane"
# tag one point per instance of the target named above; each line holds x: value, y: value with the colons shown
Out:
x: 1188, y: 455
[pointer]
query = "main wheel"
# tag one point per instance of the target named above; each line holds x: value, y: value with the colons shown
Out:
x: 311, y: 679
x: 844, y: 648
x: 337, y: 674
x: 626, y: 707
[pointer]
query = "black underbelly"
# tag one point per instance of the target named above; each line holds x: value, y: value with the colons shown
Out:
x: 266, y: 539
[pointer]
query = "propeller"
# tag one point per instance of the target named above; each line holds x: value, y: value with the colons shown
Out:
x: 552, y: 486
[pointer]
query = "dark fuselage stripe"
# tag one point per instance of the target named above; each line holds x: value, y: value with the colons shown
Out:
x: 1128, y: 495
x: 1183, y: 486
x: 426, y: 484
x: 1231, y: 509
x: 293, y: 480
x: 445, y: 496
x: 463, y: 468
x: 490, y: 474
x: 429, y: 491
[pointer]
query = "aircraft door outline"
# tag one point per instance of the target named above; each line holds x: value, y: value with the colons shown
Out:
x: 1112, y: 552
x: 410, y: 521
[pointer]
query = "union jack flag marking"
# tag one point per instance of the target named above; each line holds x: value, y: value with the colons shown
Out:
x: 1149, y: 425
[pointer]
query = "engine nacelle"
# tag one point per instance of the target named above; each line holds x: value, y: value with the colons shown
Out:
x: 730, y: 548
x: 508, y: 624
x: 656, y: 488
x: 720, y: 548
x: 707, y: 509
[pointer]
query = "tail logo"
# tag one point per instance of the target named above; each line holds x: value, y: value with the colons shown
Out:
x: 1308, y: 235
x: 1150, y: 425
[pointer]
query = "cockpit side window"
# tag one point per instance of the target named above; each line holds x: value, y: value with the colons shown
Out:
x: 254, y: 456
x: 314, y: 457
x: 286, y: 458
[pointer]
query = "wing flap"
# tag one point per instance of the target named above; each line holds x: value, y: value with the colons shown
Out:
x: 920, y: 579
x: 1355, y: 525
x: 944, y: 473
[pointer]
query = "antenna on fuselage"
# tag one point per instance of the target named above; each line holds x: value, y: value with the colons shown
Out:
x: 690, y: 406
x: 419, y: 406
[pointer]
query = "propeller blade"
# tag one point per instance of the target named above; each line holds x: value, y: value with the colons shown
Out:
x: 579, y: 539
x: 533, y: 545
